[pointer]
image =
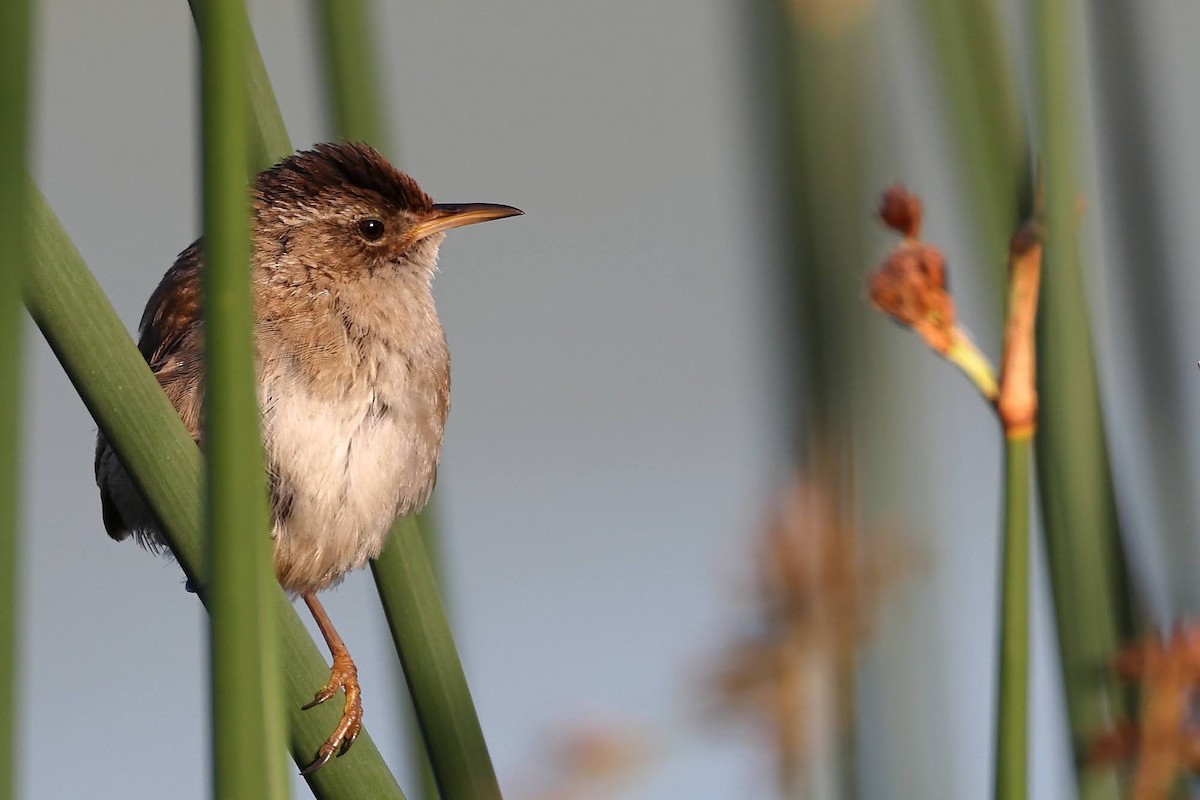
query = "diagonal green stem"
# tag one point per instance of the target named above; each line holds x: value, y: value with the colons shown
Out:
x: 1012, y: 714
x: 417, y: 619
x: 123, y: 396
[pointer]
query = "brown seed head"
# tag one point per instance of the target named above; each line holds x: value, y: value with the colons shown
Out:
x: 900, y: 210
x: 910, y: 286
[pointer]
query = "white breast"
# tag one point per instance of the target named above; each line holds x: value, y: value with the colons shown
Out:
x: 345, y: 469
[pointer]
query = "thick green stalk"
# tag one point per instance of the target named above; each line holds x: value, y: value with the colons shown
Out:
x: 124, y: 398
x: 415, y: 614
x: 1012, y: 715
x: 247, y: 709
x: 1079, y: 511
x: 15, y: 46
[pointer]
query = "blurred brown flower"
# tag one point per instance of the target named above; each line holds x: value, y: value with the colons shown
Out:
x: 589, y: 759
x: 1165, y: 742
x: 819, y: 580
x: 910, y: 286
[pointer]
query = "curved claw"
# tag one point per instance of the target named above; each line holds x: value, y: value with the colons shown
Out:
x: 344, y: 676
x: 327, y: 691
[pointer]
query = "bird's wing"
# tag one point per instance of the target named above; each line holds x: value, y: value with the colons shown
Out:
x: 171, y: 344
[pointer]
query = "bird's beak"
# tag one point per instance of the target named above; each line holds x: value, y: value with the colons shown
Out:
x: 444, y: 216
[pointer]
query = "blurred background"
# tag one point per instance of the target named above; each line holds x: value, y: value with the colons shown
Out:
x: 633, y: 385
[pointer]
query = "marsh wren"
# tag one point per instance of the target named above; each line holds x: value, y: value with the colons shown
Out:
x: 353, y: 372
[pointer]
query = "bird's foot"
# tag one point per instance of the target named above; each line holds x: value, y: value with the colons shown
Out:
x: 343, y: 675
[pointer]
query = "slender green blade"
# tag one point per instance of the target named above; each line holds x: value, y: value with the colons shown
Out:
x: 1012, y: 716
x: 976, y: 71
x: 15, y: 46
x: 247, y: 726
x: 1079, y: 511
x: 1141, y: 214
x: 415, y: 614
x: 122, y: 395
x: 356, y: 103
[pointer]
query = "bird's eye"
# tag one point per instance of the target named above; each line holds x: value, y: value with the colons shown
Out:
x: 371, y: 229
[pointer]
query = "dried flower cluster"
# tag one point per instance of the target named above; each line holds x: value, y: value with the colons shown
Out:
x: 819, y: 581
x: 910, y: 285
x: 1164, y: 745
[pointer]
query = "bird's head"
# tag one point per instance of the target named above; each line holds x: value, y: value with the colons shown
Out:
x: 342, y: 211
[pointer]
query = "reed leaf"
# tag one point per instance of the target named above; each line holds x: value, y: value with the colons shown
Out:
x: 352, y: 89
x: 124, y: 398
x: 814, y: 62
x: 15, y: 52
x: 1079, y: 511
x: 1139, y: 211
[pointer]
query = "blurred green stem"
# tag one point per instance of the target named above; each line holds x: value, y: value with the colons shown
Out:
x: 1084, y: 550
x: 977, y: 75
x: 15, y: 48
x: 351, y: 76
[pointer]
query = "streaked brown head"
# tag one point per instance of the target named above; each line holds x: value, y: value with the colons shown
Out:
x: 343, y: 208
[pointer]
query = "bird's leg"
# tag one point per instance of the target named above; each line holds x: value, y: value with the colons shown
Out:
x: 343, y: 675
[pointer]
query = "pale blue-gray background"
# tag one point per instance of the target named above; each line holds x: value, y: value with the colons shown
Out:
x: 616, y: 423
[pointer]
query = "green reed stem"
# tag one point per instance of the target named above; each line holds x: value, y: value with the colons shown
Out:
x: 15, y: 53
x: 1012, y: 722
x: 124, y: 398
x: 247, y: 731
x: 420, y: 637
x: 351, y: 73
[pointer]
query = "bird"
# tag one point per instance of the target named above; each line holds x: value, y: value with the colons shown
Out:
x: 352, y: 373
